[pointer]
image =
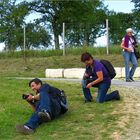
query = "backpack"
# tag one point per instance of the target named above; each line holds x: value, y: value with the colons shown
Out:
x: 109, y: 67
x: 64, y: 103
x: 60, y: 94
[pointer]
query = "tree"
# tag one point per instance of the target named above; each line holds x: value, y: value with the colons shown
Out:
x: 87, y: 14
x: 137, y: 5
x: 36, y: 36
x: 11, y: 22
x: 118, y: 23
x: 50, y: 14
x: 11, y: 26
x: 85, y: 29
x: 136, y: 15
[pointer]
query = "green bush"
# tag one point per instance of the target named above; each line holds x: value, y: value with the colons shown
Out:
x: 69, y: 51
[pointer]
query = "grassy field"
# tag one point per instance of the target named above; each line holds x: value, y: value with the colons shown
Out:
x: 69, y: 51
x: 35, y: 67
x: 13, y: 63
x: 91, y: 121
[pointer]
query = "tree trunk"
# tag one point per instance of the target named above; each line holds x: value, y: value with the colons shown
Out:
x: 56, y: 36
x: 56, y: 41
x: 86, y: 39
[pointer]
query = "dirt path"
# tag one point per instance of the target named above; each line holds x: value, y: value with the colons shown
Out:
x: 129, y: 124
x: 133, y: 132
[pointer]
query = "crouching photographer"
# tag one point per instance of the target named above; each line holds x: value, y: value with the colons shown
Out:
x: 96, y: 75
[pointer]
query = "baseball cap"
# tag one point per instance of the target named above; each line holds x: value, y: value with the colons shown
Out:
x: 129, y: 30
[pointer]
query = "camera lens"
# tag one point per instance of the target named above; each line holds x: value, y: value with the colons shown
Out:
x: 25, y: 96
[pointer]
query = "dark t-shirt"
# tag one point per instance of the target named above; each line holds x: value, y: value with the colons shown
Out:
x: 50, y: 90
x: 57, y: 97
x: 98, y: 66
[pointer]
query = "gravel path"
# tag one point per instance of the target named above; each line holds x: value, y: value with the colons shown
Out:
x: 115, y: 82
x: 133, y: 106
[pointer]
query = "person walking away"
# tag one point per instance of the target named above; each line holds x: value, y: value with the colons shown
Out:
x: 128, y: 44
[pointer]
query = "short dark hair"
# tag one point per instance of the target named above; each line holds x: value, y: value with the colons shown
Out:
x: 86, y: 56
x: 36, y: 80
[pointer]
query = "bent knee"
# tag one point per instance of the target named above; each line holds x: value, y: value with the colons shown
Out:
x: 83, y: 82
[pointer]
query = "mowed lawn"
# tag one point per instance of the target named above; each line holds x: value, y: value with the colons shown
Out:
x: 90, y: 121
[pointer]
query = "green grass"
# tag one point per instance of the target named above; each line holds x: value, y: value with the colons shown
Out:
x: 74, y: 51
x: 36, y: 62
x: 83, y: 121
x: 35, y: 67
x: 91, y: 121
x: 69, y: 51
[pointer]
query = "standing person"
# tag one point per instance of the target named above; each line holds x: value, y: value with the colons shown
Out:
x: 51, y: 102
x: 128, y: 44
x: 96, y: 75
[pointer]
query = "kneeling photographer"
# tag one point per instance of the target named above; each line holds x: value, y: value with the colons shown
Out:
x: 48, y: 103
x: 96, y: 75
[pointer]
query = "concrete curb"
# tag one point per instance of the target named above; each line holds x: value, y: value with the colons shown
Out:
x: 78, y: 73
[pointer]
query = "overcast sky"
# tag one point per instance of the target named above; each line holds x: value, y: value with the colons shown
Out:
x: 120, y: 5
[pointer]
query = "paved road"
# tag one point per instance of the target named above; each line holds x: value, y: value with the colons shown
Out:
x: 115, y: 82
x: 135, y: 84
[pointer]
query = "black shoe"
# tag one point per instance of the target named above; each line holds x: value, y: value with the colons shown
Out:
x: 131, y: 79
x: 24, y: 129
x: 128, y: 80
x: 44, y: 115
x: 117, y: 95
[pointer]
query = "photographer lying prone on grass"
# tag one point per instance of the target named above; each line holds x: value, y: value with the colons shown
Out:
x: 48, y: 103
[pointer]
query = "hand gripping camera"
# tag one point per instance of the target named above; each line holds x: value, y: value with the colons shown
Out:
x: 25, y: 96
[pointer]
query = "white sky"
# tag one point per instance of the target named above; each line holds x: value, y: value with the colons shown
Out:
x: 117, y: 5
x: 120, y: 5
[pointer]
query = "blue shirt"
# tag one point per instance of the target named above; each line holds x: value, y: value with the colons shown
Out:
x: 96, y: 67
x: 49, y: 89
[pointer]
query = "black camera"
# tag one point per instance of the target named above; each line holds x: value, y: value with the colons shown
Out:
x: 88, y: 79
x: 25, y: 96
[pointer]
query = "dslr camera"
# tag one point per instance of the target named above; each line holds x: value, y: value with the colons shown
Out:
x: 25, y: 96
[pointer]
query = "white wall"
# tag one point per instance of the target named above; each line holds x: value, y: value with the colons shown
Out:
x: 78, y: 73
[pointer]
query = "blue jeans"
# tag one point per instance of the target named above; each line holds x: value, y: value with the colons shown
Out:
x: 129, y: 57
x: 86, y: 91
x: 102, y: 93
x: 48, y: 103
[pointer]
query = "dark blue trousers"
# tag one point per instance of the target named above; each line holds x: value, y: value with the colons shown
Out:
x: 52, y: 105
x: 102, y: 92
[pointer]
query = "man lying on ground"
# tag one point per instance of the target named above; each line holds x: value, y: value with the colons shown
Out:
x: 48, y: 103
